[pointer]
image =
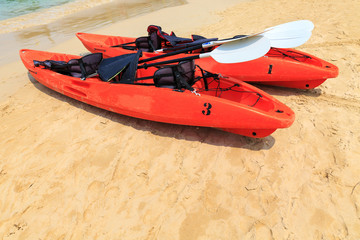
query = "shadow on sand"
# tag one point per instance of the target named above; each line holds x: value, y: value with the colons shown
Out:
x: 189, y: 133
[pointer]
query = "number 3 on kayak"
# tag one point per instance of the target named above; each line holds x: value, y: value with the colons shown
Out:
x: 207, y: 111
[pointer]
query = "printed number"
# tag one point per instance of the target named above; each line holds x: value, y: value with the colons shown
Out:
x: 207, y: 111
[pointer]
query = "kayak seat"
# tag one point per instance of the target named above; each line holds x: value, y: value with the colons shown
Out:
x: 149, y: 43
x: 81, y: 68
x: 142, y: 43
x: 157, y: 39
x: 89, y: 63
x: 178, y: 76
x: 164, y: 77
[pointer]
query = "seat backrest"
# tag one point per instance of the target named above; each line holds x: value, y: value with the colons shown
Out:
x: 142, y: 43
x: 91, y: 63
x: 155, y: 41
x: 178, y: 76
x: 150, y: 43
x: 164, y: 77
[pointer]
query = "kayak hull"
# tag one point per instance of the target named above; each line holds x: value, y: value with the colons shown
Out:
x: 241, y: 111
x: 279, y: 67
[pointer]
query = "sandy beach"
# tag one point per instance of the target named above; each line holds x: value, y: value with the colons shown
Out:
x: 72, y: 171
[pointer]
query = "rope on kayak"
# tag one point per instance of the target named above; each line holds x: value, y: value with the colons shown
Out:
x: 220, y: 90
x: 300, y: 55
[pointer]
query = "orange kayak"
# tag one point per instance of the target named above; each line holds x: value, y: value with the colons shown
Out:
x: 226, y: 104
x: 279, y: 67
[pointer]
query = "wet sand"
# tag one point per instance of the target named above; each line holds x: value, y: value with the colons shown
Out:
x: 72, y: 171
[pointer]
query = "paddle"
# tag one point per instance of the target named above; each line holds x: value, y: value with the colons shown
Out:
x: 287, y: 35
x: 249, y: 49
x: 230, y: 51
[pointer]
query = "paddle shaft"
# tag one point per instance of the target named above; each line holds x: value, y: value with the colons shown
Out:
x: 171, y: 53
x: 231, y: 51
x: 169, y: 61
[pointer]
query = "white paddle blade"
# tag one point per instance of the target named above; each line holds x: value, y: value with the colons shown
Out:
x: 300, y: 25
x: 240, y: 50
x: 289, y: 35
x: 290, y: 41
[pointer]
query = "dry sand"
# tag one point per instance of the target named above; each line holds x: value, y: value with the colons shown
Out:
x: 72, y: 171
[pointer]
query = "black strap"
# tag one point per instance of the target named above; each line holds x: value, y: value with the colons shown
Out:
x: 82, y: 68
x: 151, y: 45
x: 132, y: 48
x: 123, y: 45
x: 181, y: 82
x: 204, y: 77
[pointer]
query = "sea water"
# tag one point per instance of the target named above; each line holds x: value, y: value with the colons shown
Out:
x: 42, y: 28
x: 14, y: 8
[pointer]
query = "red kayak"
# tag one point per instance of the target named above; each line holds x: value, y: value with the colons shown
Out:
x: 193, y: 98
x: 279, y: 67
